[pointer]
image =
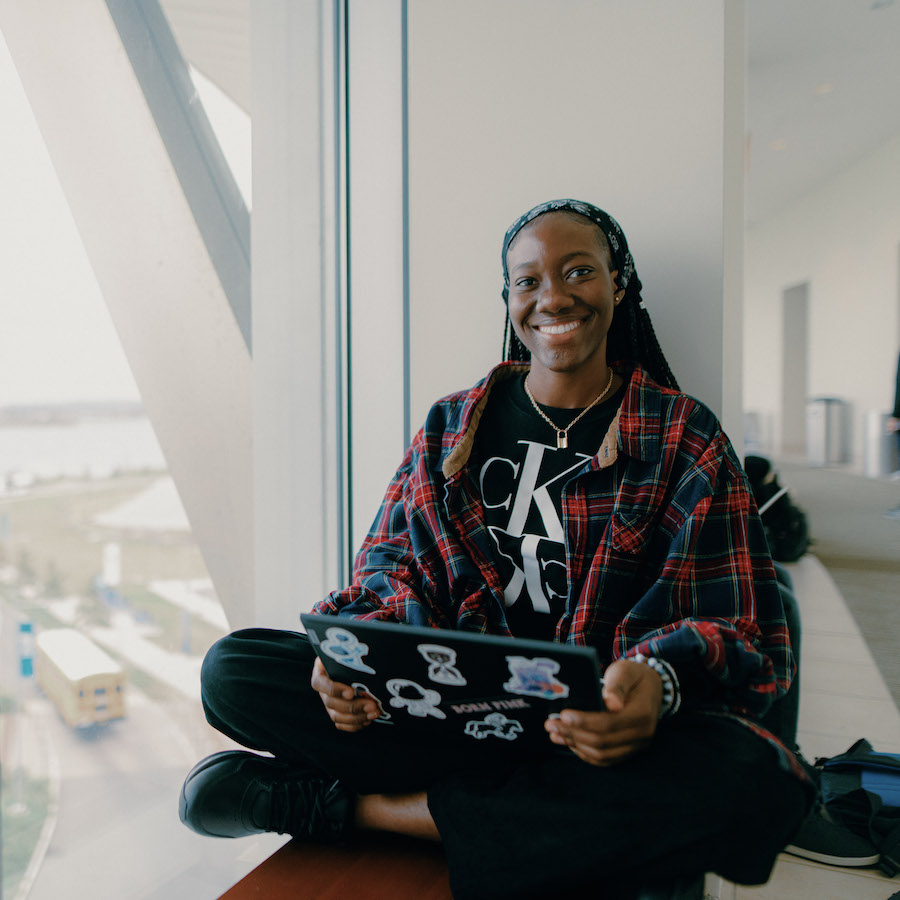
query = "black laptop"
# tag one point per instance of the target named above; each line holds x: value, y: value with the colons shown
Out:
x: 456, y: 685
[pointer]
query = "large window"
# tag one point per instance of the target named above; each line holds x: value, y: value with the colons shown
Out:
x: 93, y: 540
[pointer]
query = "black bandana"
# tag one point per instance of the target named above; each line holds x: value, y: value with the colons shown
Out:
x: 621, y: 256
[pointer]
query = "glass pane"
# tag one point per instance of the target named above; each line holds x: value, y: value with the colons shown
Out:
x: 93, y: 539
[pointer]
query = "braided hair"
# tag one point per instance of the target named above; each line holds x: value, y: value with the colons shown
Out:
x: 631, y: 335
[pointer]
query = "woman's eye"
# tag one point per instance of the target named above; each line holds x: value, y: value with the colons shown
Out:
x: 525, y: 282
x: 580, y: 272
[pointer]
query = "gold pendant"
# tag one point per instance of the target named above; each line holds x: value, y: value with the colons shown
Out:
x: 562, y: 440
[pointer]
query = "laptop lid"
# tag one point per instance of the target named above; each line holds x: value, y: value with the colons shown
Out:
x: 457, y: 685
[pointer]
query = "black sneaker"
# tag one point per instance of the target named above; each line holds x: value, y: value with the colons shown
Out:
x: 822, y: 840
x: 235, y: 793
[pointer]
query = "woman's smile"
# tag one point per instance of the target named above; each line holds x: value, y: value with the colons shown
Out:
x: 563, y: 328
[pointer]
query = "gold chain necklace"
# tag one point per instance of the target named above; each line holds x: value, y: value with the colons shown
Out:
x: 562, y: 434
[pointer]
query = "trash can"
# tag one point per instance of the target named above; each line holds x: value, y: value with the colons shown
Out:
x: 826, y: 431
x: 878, y: 445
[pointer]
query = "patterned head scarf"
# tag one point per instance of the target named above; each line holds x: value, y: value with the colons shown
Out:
x: 621, y: 256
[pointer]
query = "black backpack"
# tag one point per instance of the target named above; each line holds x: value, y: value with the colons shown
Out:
x: 785, y: 523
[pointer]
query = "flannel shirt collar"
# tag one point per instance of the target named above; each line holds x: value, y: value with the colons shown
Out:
x: 634, y: 430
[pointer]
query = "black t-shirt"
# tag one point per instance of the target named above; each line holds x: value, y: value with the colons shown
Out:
x: 520, y: 474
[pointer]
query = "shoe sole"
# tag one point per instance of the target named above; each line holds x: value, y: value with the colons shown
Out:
x: 851, y: 862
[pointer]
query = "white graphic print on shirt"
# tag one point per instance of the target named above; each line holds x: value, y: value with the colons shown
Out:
x: 532, y: 539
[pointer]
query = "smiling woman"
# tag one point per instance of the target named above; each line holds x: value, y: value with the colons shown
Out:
x: 580, y: 500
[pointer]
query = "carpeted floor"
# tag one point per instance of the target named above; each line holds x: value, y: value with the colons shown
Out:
x: 859, y: 547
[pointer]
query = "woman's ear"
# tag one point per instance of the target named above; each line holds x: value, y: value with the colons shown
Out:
x: 620, y: 292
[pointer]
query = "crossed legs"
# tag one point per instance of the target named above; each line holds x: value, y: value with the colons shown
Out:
x: 708, y: 795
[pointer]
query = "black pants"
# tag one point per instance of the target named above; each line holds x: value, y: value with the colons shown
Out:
x: 708, y: 795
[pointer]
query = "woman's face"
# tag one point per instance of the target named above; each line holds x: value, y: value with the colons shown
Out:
x: 562, y: 294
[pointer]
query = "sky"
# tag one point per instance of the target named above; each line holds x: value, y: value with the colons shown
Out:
x: 57, y: 341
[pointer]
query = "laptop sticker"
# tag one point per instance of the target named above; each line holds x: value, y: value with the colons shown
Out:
x: 344, y: 647
x: 441, y: 666
x: 495, y: 724
x: 417, y: 700
x: 362, y: 691
x: 535, y: 678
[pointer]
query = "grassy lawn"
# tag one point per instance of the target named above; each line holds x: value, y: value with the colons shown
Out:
x: 21, y: 827
x: 176, y: 631
x: 54, y: 542
x: 56, y: 546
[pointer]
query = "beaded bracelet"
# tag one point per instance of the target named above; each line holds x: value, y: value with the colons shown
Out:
x: 671, y: 699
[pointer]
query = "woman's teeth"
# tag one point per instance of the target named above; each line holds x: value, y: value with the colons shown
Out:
x: 558, y: 329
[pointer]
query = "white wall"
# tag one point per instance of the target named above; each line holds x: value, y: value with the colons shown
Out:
x: 843, y: 239
x: 514, y: 102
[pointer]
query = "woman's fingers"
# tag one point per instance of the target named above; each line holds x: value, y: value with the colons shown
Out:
x: 346, y: 710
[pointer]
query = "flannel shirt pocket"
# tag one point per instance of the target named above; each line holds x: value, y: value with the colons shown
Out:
x: 629, y: 533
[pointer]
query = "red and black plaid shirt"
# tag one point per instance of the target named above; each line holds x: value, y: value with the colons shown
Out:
x: 665, y: 550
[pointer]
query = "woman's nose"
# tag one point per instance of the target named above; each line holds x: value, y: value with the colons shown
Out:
x: 553, y: 297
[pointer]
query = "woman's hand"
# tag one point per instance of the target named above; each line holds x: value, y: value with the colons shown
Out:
x: 347, y: 711
x: 632, y: 693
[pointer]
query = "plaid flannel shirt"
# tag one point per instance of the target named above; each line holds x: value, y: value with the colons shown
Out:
x: 665, y: 550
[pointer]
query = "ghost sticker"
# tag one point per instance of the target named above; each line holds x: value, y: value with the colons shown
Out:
x: 362, y: 691
x: 441, y: 666
x: 418, y: 701
x: 535, y: 678
x: 495, y: 724
x: 344, y: 647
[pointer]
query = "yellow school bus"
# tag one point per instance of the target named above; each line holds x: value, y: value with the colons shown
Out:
x: 85, y: 684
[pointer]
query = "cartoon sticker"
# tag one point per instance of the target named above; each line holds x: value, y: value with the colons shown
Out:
x: 362, y: 691
x: 441, y: 666
x: 344, y: 647
x: 418, y: 701
x: 535, y: 678
x: 495, y: 724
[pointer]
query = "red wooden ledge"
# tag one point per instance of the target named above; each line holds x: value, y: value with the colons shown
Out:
x: 375, y: 865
